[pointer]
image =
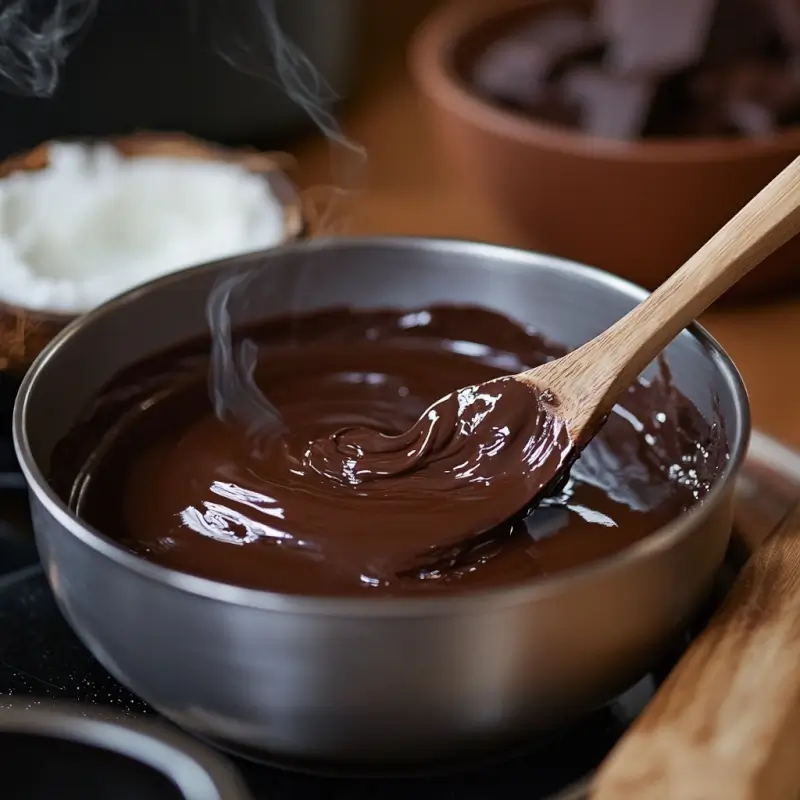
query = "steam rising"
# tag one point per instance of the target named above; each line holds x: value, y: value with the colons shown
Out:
x: 231, y: 382
x: 264, y: 51
x: 260, y: 48
x: 36, y: 37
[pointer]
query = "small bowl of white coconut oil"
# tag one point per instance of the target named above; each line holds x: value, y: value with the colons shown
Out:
x: 81, y: 222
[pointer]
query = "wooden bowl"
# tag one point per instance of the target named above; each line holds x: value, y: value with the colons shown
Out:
x: 24, y: 332
x: 637, y: 209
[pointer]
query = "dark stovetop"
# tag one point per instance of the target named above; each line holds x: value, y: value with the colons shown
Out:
x: 16, y: 542
x: 41, y: 658
x: 10, y: 477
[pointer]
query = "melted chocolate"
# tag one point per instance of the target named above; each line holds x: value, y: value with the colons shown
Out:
x: 323, y: 505
x: 475, y: 457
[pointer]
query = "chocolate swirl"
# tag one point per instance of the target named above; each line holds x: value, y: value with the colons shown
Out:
x: 486, y: 452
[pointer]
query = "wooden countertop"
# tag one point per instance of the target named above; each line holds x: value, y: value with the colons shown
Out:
x: 409, y: 191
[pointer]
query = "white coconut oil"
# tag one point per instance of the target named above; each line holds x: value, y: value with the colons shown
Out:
x: 94, y: 224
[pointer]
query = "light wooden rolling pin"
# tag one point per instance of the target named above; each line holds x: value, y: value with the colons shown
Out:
x: 726, y: 723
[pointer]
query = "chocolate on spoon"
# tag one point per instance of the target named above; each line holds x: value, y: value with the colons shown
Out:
x: 487, y: 453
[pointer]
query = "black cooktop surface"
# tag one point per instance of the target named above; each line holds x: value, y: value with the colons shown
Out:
x: 10, y: 477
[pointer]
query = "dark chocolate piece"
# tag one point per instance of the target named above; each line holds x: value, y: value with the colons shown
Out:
x: 610, y: 106
x: 651, y: 38
x: 516, y: 69
x: 751, y: 118
x: 649, y: 75
x: 754, y: 96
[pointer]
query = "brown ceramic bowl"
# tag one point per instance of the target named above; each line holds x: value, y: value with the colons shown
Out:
x: 637, y: 209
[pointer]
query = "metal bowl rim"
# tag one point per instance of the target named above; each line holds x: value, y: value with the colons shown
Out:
x: 449, y: 605
x: 193, y: 768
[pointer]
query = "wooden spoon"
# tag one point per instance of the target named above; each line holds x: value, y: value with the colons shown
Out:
x: 575, y: 393
x: 494, y: 449
x: 587, y: 382
x: 726, y: 723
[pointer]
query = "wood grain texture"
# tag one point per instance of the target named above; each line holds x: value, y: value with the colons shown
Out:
x: 588, y: 381
x: 726, y: 723
x: 762, y: 495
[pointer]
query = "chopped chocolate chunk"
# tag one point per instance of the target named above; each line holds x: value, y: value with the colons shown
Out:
x: 655, y: 37
x: 610, y: 105
x: 751, y: 119
x: 645, y: 68
x: 517, y: 69
x: 754, y: 95
x: 564, y: 31
x: 514, y: 71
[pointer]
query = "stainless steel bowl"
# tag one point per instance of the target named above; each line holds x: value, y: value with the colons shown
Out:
x: 354, y: 680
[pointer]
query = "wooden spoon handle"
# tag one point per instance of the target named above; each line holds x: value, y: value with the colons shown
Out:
x: 607, y: 365
x: 726, y: 723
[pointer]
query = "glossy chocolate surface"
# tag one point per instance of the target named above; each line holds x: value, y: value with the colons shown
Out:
x: 312, y: 505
